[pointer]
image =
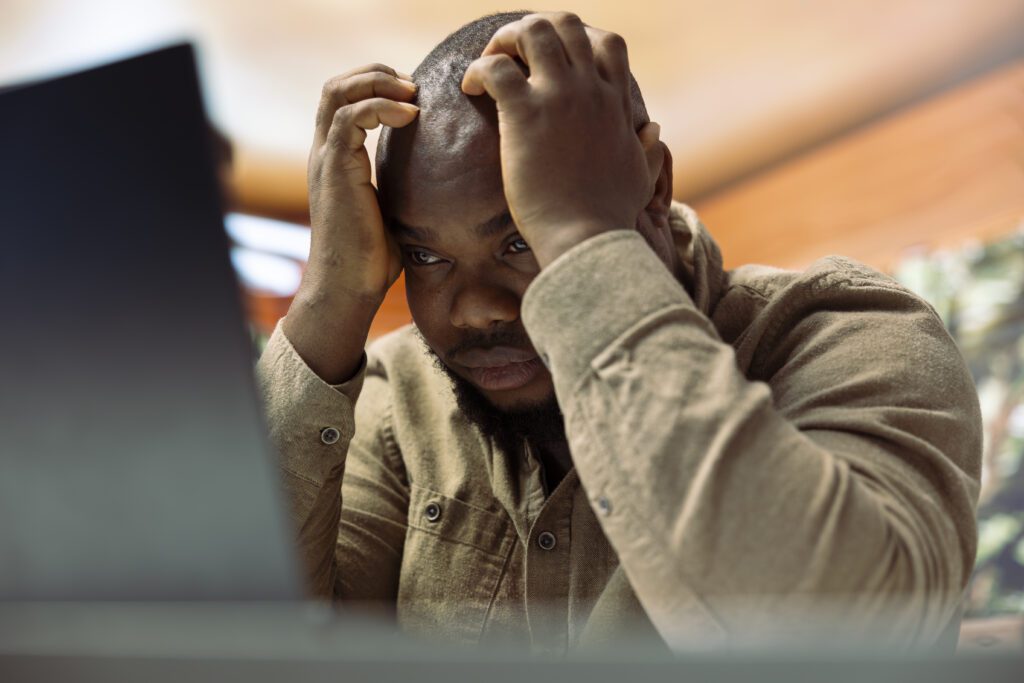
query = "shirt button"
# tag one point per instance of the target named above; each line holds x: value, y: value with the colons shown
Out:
x: 604, y: 506
x: 546, y: 540
x: 432, y: 512
x: 330, y: 435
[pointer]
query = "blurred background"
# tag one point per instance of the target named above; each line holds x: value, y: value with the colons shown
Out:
x: 890, y: 131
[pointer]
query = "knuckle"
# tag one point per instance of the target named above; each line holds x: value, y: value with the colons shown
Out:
x: 372, y: 82
x: 537, y: 24
x: 379, y: 77
x: 568, y: 19
x: 377, y: 67
x: 613, y: 42
x: 342, y: 116
x: 505, y: 71
x: 500, y: 64
x: 330, y: 86
x: 366, y: 68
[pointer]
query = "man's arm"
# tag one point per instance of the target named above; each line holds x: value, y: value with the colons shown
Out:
x: 840, y: 489
x: 352, y: 553
x: 852, y: 475
x: 352, y: 263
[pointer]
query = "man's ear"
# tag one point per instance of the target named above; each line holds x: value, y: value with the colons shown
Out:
x: 659, y: 169
x: 662, y: 199
x: 654, y: 221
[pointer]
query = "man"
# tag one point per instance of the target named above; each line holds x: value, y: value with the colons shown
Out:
x: 593, y: 432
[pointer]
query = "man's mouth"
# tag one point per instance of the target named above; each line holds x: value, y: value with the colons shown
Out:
x: 500, y: 368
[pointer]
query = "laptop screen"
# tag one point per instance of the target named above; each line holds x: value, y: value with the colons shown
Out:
x: 133, y: 461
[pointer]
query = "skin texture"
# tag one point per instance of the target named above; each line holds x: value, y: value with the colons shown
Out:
x: 483, y: 191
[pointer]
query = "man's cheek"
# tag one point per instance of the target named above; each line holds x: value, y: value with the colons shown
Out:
x: 430, y: 317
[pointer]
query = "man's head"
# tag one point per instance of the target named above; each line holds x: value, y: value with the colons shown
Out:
x: 466, y: 267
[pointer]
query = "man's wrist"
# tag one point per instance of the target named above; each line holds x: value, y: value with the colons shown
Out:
x: 556, y: 240
x: 329, y: 333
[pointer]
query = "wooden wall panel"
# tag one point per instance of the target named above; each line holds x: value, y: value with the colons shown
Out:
x: 940, y: 173
x: 945, y: 171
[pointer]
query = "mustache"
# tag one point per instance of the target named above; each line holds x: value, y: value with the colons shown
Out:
x: 502, y: 336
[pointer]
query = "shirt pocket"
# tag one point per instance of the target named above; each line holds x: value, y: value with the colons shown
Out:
x: 455, y: 556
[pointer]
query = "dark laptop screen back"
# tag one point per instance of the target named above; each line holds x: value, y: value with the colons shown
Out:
x: 132, y: 457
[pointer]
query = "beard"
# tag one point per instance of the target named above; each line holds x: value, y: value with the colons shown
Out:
x: 539, y: 422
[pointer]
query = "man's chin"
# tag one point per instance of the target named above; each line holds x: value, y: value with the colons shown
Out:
x: 529, y: 412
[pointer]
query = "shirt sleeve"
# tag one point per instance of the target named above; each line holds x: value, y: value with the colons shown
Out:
x: 834, y: 494
x: 351, y: 551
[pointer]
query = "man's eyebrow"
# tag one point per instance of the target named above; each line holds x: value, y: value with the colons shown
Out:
x: 494, y: 225
x: 412, y: 232
x: 488, y: 228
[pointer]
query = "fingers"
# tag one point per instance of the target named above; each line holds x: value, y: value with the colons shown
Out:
x: 610, y: 56
x: 551, y: 43
x: 534, y: 40
x: 373, y: 80
x: 498, y: 75
x: 350, y: 123
x: 573, y: 33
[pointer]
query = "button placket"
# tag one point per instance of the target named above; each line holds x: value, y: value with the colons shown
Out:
x: 547, y: 572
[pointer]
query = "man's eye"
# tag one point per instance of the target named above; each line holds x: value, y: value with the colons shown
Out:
x: 518, y: 246
x: 422, y: 258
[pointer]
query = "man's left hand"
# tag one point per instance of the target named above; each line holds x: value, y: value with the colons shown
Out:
x: 572, y: 164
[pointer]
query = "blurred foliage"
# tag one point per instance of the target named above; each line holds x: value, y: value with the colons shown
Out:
x: 979, y: 292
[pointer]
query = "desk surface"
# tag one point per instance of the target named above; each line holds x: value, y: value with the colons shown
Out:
x: 271, y: 642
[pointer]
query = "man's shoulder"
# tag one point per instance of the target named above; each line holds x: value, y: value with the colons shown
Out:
x: 832, y: 275
x: 764, y: 307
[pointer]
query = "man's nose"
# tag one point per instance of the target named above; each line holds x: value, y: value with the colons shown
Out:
x: 481, y: 304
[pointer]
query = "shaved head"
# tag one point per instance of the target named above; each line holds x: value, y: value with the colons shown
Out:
x: 466, y: 265
x: 452, y: 128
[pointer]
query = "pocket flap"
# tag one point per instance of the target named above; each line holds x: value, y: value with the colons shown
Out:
x: 454, y: 520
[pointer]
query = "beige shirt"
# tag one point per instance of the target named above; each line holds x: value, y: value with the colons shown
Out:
x: 756, y: 451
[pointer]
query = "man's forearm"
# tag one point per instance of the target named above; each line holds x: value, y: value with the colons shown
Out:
x: 721, y: 506
x: 329, y: 331
x: 311, y: 425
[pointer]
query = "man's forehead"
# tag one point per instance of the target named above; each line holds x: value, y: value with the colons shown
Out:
x: 444, y: 164
x: 447, y: 161
x: 462, y: 203
x: 449, y: 126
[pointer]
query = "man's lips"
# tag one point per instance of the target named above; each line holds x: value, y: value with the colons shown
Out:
x: 500, y: 368
x: 494, y: 357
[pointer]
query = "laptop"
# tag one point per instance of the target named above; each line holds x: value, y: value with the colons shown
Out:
x: 133, y: 458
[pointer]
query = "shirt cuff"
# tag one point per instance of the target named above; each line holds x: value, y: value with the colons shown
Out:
x: 310, y: 421
x: 590, y: 296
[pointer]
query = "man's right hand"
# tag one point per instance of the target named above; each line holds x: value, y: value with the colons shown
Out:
x: 352, y: 260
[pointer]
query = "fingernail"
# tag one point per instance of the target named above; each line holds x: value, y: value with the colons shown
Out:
x: 404, y: 76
